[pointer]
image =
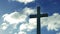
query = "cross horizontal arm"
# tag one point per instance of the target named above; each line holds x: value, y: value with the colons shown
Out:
x: 41, y: 15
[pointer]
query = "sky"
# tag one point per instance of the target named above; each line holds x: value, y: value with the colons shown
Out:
x: 14, y: 16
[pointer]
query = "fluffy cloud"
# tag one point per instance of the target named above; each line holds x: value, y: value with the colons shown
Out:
x: 32, y: 24
x: 14, y: 17
x: 22, y: 33
x: 28, y: 26
x: 29, y: 11
x: 51, y: 22
x: 23, y: 1
x: 4, y: 26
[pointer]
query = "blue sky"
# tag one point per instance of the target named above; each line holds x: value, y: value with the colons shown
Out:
x: 50, y: 6
x: 47, y: 6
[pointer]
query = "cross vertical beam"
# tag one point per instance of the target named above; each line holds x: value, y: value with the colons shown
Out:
x: 38, y: 20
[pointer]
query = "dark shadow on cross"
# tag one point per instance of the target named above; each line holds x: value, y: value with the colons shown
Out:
x: 38, y: 16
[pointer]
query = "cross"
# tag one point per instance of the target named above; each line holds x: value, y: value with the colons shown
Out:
x: 38, y: 16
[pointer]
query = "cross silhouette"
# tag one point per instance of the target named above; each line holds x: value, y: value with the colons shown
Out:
x: 38, y: 16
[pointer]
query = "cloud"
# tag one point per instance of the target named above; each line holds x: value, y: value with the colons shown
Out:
x: 29, y: 11
x: 16, y: 18
x: 23, y: 1
x: 51, y: 22
x: 23, y: 27
x: 4, y: 26
x: 22, y: 33
x: 32, y: 24
x: 28, y: 26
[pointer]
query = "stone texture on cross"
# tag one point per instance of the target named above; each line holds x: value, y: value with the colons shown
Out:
x: 38, y: 16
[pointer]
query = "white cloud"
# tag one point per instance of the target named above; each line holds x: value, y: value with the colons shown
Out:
x: 22, y: 33
x: 23, y: 27
x: 32, y: 24
x: 14, y: 18
x: 15, y: 33
x: 29, y: 11
x: 28, y: 26
x: 51, y: 22
x: 25, y: 1
x: 4, y: 26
